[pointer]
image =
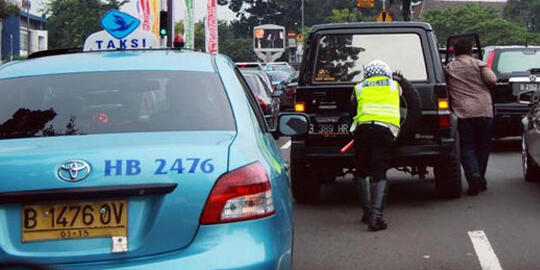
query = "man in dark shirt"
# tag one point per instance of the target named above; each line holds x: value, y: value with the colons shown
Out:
x: 469, y: 80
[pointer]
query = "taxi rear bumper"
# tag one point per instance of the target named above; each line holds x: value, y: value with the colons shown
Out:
x: 245, y: 245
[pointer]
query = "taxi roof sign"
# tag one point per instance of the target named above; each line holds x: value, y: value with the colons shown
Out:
x: 119, y: 24
x: 121, y: 32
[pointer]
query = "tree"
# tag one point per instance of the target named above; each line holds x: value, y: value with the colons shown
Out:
x: 479, y: 19
x: 503, y: 32
x: 238, y: 49
x: 524, y: 13
x: 7, y: 9
x: 70, y: 22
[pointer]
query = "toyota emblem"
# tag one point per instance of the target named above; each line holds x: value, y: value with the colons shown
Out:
x: 532, y: 78
x: 73, y: 171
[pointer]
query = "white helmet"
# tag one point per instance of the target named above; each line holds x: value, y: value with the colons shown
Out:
x: 377, y: 68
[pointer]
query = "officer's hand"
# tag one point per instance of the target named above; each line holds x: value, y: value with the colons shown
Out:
x: 397, y: 75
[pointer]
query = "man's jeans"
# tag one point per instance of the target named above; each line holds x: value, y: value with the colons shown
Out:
x: 475, y: 137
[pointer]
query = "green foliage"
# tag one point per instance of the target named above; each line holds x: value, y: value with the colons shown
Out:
x: 7, y: 9
x: 480, y: 19
x: 250, y: 13
x: 70, y: 22
x: 239, y: 49
x: 343, y: 15
x: 503, y: 32
x: 525, y: 13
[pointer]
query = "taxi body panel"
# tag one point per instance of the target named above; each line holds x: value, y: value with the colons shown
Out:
x: 163, y: 230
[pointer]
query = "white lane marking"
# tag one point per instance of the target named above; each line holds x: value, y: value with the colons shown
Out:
x: 286, y: 145
x: 486, y: 256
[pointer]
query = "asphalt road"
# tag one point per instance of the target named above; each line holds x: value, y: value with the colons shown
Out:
x: 426, y: 232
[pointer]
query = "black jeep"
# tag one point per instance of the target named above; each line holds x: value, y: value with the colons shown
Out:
x: 333, y: 63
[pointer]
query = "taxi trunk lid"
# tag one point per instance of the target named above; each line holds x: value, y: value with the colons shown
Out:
x: 170, y: 173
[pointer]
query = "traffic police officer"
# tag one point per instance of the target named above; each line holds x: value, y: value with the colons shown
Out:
x: 375, y: 127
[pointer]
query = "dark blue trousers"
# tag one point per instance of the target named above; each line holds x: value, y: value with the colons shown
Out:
x: 475, y: 141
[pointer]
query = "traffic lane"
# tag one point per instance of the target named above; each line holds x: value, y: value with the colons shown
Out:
x: 424, y: 232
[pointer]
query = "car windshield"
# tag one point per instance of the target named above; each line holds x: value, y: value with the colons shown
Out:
x: 112, y: 102
x: 278, y: 76
x: 518, y: 60
x: 341, y: 58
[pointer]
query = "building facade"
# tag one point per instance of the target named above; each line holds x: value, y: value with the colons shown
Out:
x: 14, y: 36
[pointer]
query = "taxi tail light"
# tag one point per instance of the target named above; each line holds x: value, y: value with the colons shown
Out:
x: 300, y: 106
x: 491, y: 56
x: 239, y: 195
x: 443, y: 107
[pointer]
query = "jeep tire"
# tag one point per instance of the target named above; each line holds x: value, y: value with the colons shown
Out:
x: 411, y: 97
x: 448, y: 174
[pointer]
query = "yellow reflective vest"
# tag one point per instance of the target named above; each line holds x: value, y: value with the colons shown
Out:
x: 377, y: 100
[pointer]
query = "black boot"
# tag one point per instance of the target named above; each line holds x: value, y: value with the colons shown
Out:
x: 375, y: 220
x: 366, y: 197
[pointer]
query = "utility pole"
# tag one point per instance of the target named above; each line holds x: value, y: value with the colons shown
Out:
x: 302, y: 8
x: 170, y: 21
x: 27, y: 4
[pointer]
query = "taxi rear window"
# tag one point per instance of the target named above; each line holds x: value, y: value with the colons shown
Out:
x: 113, y: 102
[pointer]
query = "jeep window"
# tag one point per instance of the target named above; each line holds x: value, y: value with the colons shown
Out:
x: 518, y: 60
x: 113, y: 102
x: 340, y: 58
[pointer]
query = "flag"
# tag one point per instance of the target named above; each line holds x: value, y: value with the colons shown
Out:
x: 189, y: 26
x: 155, y: 17
x: 145, y: 13
x: 211, y: 27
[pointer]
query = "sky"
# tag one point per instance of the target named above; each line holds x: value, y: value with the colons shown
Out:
x: 224, y: 13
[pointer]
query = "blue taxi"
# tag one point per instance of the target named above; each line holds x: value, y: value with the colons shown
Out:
x: 142, y: 159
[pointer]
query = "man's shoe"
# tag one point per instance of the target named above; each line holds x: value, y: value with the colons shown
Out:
x: 376, y: 222
x: 483, y: 184
x: 475, y: 184
x: 473, y: 191
x: 365, y: 216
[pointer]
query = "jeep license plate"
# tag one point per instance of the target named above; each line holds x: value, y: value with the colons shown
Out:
x: 329, y: 129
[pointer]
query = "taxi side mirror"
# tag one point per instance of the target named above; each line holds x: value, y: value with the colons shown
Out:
x: 292, y: 124
x: 525, y: 97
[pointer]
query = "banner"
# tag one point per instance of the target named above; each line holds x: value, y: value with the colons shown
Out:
x: 189, y: 26
x: 211, y: 28
x: 145, y: 13
x: 155, y: 17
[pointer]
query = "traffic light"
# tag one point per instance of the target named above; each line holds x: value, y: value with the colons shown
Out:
x: 163, y: 23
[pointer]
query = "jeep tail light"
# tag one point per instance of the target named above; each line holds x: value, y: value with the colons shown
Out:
x: 444, y: 121
x: 443, y: 107
x: 442, y: 104
x: 299, y: 106
x: 242, y: 194
x: 490, y: 59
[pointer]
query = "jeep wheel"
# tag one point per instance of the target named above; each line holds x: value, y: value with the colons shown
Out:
x: 531, y: 171
x: 448, y: 175
x: 411, y: 107
x: 305, y: 183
